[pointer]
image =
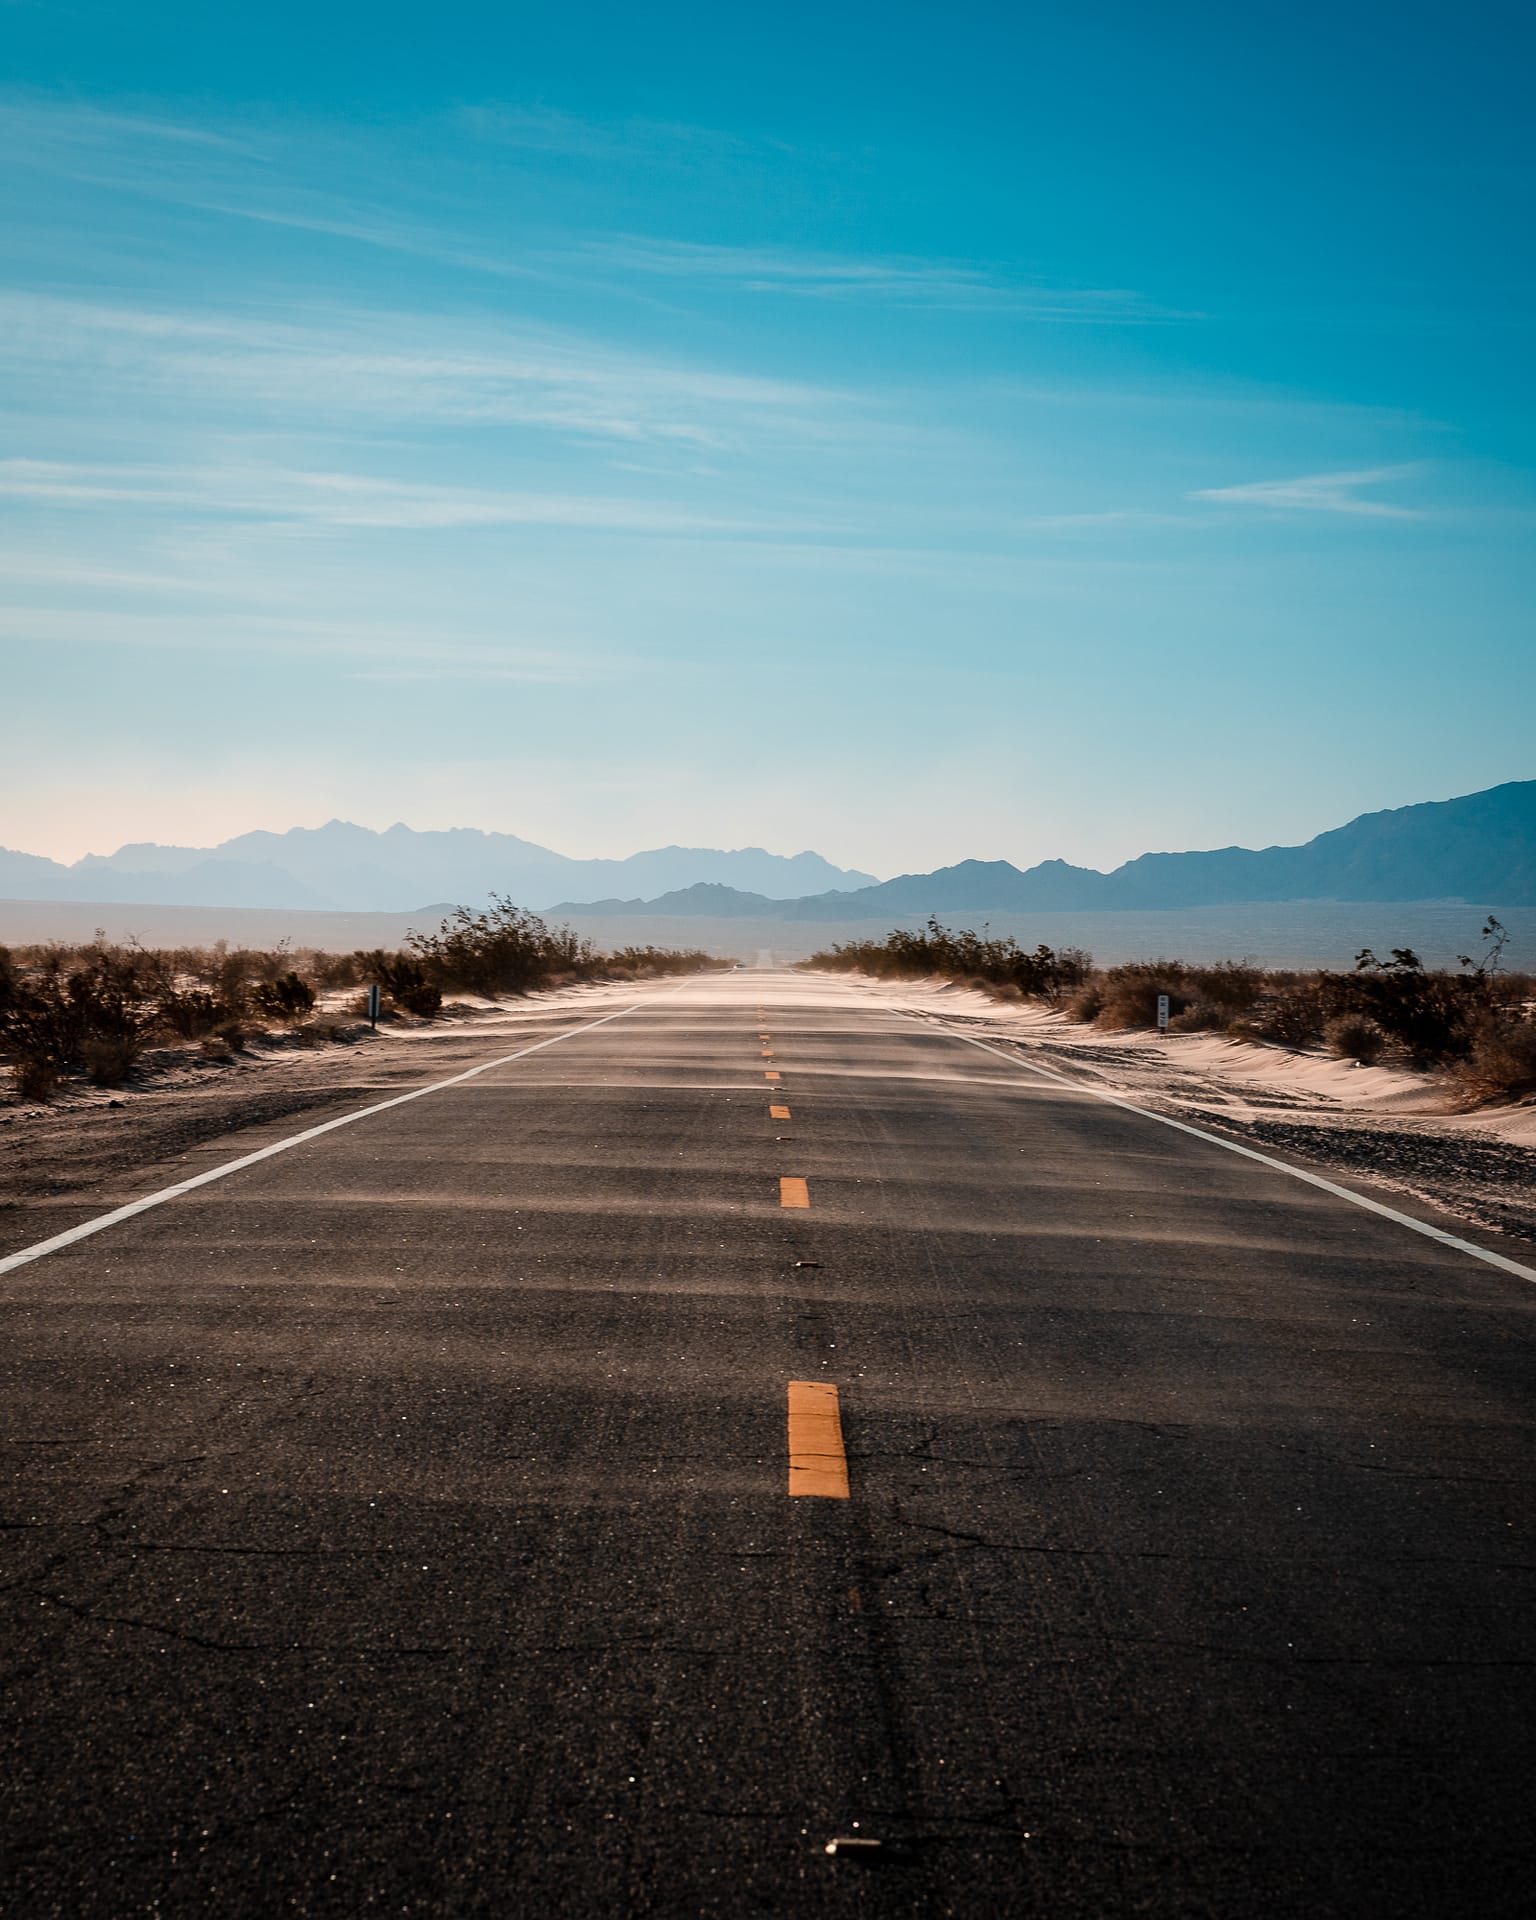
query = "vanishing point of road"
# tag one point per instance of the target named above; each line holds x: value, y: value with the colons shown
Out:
x: 754, y: 1421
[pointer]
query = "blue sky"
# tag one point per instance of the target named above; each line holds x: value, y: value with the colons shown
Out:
x: 913, y: 432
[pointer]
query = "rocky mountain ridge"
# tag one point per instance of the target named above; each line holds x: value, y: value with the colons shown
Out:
x: 1480, y: 848
x: 343, y: 866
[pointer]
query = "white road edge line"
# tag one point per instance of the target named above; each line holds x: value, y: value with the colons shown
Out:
x: 1248, y: 1153
x: 14, y: 1260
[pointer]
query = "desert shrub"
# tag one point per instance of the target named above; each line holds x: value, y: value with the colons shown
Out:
x: 1232, y: 985
x: 965, y: 956
x: 405, y: 979
x: 223, y: 974
x: 35, y: 1077
x: 498, y: 951
x: 110, y: 1059
x: 67, y: 998
x: 193, y: 1013
x: 646, y: 961
x: 1047, y: 974
x: 266, y: 965
x: 1294, y: 1018
x: 504, y: 949
x: 423, y: 999
x: 1430, y: 1015
x: 119, y: 993
x: 1501, y: 1064
x: 1200, y: 998
x: 287, y: 998
x: 1353, y: 1037
x: 1200, y: 1016
x: 216, y: 1047
x: 1131, y: 992
x: 338, y: 969
x: 232, y: 1034
x: 1486, y: 973
x: 1087, y: 1004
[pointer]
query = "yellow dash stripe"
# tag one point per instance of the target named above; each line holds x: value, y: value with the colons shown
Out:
x: 793, y: 1192
x: 817, y: 1463
x: 778, y: 1113
x: 771, y: 1075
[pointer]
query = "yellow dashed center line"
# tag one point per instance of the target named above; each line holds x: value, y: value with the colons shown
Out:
x: 771, y: 1075
x: 778, y: 1113
x: 817, y: 1463
x: 793, y: 1192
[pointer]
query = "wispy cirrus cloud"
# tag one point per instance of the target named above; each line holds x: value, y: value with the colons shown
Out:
x: 342, y: 220
x: 357, y: 501
x: 45, y: 131
x: 269, y: 176
x: 371, y: 649
x: 340, y: 363
x: 266, y: 176
x: 548, y: 130
x: 1320, y: 493
x: 903, y: 280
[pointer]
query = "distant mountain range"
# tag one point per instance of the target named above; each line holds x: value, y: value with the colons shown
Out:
x: 1480, y: 849
x: 356, y: 869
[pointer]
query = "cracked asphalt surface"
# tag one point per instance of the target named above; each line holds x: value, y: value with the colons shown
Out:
x: 400, y: 1525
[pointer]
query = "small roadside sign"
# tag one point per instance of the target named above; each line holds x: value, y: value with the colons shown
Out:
x: 374, y: 997
x: 1162, y: 1013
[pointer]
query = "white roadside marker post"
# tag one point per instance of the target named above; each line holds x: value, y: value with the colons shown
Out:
x: 1162, y: 1016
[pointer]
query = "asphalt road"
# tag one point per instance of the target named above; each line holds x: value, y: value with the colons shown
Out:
x: 402, y: 1525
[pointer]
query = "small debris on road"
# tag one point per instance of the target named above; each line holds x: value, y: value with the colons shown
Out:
x: 854, y: 1844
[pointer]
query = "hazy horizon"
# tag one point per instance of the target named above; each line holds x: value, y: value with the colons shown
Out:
x: 621, y: 853
x: 1003, y: 435
x: 382, y: 825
